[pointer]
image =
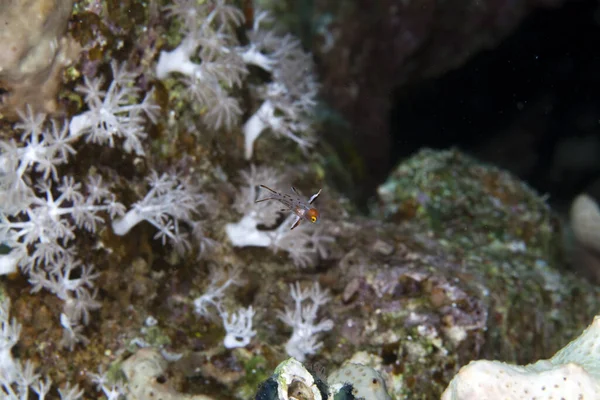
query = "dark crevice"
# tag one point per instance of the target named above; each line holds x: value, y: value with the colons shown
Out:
x: 515, y: 105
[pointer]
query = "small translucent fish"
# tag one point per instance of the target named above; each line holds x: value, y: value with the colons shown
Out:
x: 295, y: 204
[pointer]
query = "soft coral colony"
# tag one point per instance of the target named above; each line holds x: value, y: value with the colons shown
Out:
x: 43, y: 211
x: 287, y: 100
x: 48, y: 205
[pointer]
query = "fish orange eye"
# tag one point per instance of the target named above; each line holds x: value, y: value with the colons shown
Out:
x: 313, y: 215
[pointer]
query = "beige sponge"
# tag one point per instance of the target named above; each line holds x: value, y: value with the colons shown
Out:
x: 572, y: 374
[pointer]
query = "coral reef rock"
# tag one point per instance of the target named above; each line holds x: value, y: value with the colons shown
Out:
x: 34, y: 51
x: 145, y: 371
x: 466, y: 266
x: 365, y: 381
x: 291, y: 380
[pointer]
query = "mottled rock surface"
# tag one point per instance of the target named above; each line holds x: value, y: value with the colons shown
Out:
x: 34, y: 51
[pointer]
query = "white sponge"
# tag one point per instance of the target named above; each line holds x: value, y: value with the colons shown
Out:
x: 572, y: 374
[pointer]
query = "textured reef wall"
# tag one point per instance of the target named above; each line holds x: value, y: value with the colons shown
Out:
x: 368, y: 49
x: 130, y: 221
